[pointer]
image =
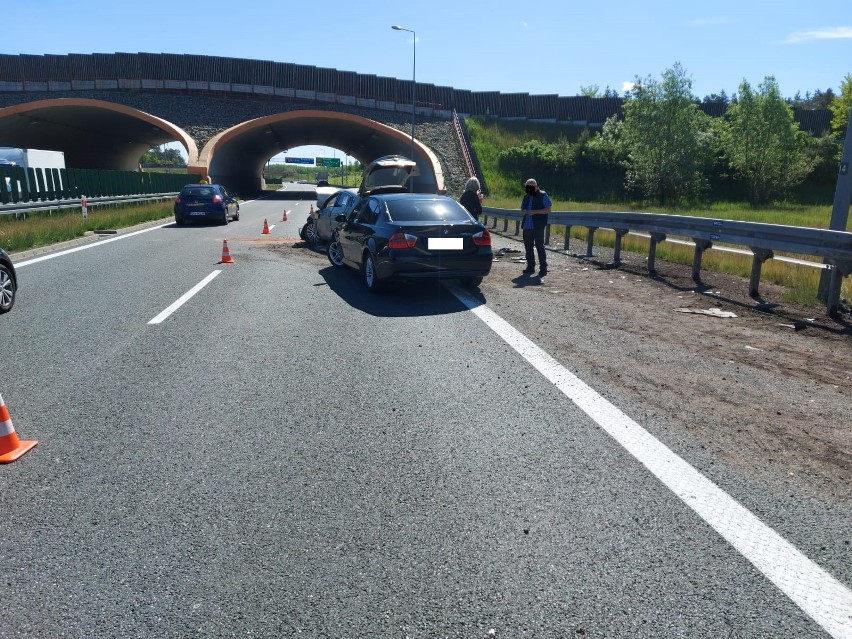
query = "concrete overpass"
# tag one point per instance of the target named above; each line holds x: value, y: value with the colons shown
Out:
x: 105, y: 110
x: 102, y: 134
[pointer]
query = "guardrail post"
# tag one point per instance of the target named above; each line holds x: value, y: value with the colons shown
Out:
x: 547, y: 235
x: 517, y: 226
x: 567, y: 238
x: 652, y: 251
x: 590, y: 240
x: 505, y: 224
x: 700, y: 247
x: 619, y: 234
x: 494, y: 222
x: 840, y: 270
x: 760, y: 256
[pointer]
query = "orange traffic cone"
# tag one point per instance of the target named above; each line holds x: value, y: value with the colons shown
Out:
x: 284, y: 219
x: 226, y: 254
x: 265, y: 230
x: 10, y: 446
x: 312, y: 209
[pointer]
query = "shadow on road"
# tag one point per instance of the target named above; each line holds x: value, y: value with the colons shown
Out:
x: 409, y: 298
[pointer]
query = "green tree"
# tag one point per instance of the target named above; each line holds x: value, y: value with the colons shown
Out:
x: 607, y: 148
x: 535, y: 156
x: 162, y: 157
x: 841, y: 105
x: 668, y: 139
x: 763, y: 144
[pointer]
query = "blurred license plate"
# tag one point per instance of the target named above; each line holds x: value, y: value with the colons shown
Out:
x: 197, y: 213
x: 445, y: 243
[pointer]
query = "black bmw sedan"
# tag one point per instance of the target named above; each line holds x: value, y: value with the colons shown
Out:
x: 411, y: 235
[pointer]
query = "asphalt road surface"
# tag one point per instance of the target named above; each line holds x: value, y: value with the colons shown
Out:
x: 281, y: 453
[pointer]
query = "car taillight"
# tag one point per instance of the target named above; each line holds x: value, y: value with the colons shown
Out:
x: 177, y: 200
x: 401, y: 240
x: 217, y: 199
x: 483, y: 238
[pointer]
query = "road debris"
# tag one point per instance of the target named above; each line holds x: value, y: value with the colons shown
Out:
x: 714, y: 312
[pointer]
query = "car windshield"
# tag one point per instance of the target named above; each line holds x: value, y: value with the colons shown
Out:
x: 427, y: 210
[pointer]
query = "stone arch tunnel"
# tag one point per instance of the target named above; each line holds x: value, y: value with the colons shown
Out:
x: 101, y: 134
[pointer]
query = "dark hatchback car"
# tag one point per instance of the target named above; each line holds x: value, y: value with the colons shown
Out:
x: 8, y: 282
x: 205, y: 202
x: 411, y: 235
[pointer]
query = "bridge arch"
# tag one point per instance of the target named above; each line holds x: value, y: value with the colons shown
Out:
x: 236, y: 156
x: 92, y: 133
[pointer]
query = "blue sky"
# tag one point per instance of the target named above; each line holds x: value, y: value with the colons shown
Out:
x: 537, y: 46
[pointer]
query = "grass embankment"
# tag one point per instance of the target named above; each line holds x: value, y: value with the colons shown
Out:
x: 42, y: 228
x: 491, y: 137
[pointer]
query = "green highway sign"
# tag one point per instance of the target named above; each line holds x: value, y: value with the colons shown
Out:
x: 328, y: 162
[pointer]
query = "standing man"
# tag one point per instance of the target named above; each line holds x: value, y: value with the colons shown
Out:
x: 535, y: 207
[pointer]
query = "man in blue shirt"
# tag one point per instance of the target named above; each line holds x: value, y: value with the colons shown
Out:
x: 536, y: 207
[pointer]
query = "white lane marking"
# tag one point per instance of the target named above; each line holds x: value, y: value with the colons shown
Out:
x: 814, y: 590
x: 183, y: 299
x: 87, y: 246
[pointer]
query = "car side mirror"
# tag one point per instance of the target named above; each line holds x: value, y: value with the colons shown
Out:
x: 340, y: 218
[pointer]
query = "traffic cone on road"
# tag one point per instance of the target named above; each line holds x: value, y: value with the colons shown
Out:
x: 10, y: 446
x: 284, y: 218
x: 226, y: 254
x: 265, y: 228
x: 312, y: 209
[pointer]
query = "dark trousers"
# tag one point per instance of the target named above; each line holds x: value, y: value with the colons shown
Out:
x: 535, y: 238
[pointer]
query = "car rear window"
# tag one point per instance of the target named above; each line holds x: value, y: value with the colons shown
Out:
x: 198, y: 191
x: 427, y: 210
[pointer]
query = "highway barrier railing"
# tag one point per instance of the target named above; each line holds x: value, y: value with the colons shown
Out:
x: 18, y: 185
x: 834, y: 247
x: 23, y: 208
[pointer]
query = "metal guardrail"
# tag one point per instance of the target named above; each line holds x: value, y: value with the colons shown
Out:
x: 835, y: 247
x: 462, y: 140
x: 22, y: 208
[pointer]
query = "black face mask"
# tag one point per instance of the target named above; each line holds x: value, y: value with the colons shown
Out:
x: 530, y: 190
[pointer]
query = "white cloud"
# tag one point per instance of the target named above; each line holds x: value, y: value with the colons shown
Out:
x: 524, y: 24
x: 830, y: 33
x: 627, y: 86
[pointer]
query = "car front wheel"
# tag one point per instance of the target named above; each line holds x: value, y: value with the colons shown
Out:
x: 7, y: 290
x: 335, y: 255
x: 311, y: 234
x: 224, y: 218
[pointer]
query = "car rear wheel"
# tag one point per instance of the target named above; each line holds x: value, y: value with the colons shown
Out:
x: 335, y: 255
x: 237, y: 214
x: 7, y: 290
x: 371, y: 279
x: 311, y: 234
x: 179, y: 221
x: 225, y: 218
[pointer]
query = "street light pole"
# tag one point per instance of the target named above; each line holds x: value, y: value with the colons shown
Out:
x: 396, y: 27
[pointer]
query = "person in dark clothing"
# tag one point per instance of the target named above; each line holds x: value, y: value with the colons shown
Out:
x: 471, y: 198
x: 535, y: 208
